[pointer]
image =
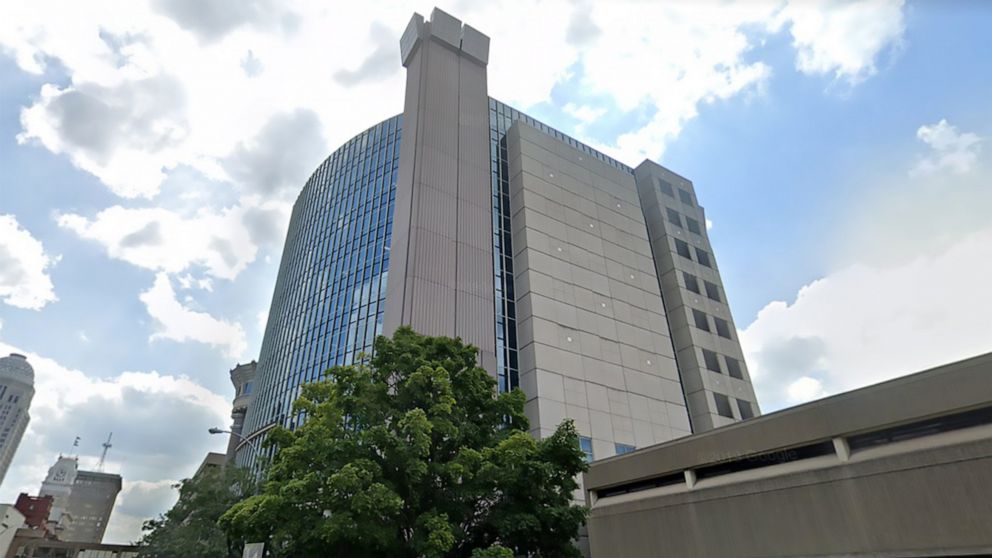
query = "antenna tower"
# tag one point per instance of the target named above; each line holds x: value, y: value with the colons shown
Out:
x: 103, y: 457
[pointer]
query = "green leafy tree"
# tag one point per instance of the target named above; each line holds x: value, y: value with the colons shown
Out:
x: 190, y: 528
x: 415, y: 454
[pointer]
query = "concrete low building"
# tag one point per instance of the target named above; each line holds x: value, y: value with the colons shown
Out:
x: 898, y: 469
x: 28, y: 543
x: 11, y: 520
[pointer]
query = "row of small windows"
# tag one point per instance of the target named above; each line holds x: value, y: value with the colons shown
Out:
x: 724, y: 410
x: 701, y: 321
x: 684, y: 195
x: 683, y: 249
x: 585, y: 444
x: 675, y: 218
x: 692, y: 284
x: 712, y: 362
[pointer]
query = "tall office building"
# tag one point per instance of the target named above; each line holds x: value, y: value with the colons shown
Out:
x: 16, y: 392
x: 565, y: 267
x: 91, y: 503
x: 82, y: 500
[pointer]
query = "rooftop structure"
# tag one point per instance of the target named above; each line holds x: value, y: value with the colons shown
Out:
x: 902, y: 468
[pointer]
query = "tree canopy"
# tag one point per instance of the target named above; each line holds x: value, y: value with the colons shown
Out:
x: 414, y: 454
x: 190, y: 528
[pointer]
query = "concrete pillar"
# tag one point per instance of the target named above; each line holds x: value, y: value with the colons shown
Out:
x: 441, y: 262
x: 842, y: 448
x: 690, y: 478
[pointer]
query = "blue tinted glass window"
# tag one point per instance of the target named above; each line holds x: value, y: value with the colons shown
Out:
x: 623, y: 448
x: 585, y: 444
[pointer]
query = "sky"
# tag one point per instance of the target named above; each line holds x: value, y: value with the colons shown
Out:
x: 150, y: 152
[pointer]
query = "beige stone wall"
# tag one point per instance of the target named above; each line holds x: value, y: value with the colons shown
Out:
x: 592, y: 334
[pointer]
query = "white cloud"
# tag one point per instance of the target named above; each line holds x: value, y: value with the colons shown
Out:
x: 669, y: 59
x: 584, y: 113
x: 187, y: 282
x: 128, y: 134
x: 223, y: 242
x: 155, y: 87
x: 842, y: 38
x: 176, y: 322
x: 805, y: 389
x: 863, y: 324
x: 24, y: 279
x: 159, y: 423
x: 951, y: 150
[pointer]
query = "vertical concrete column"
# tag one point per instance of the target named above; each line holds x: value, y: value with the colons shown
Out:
x: 692, y: 291
x: 842, y: 449
x: 441, y: 262
x: 690, y: 478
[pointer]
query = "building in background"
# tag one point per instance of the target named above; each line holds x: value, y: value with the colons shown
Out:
x: 243, y: 378
x: 902, y: 468
x: 36, y: 510
x: 90, y: 505
x: 11, y: 520
x: 58, y: 486
x: 566, y: 268
x: 212, y: 462
x: 16, y: 392
x: 82, y: 501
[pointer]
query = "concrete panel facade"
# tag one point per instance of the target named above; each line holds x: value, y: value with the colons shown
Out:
x: 90, y: 505
x: 591, y: 325
x: 903, y: 468
x: 716, y: 381
x: 441, y: 273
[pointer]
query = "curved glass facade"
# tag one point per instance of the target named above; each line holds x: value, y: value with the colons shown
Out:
x: 331, y: 288
x: 327, y: 304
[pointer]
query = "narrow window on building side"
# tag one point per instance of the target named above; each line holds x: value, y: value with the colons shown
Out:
x: 624, y: 448
x: 693, y: 225
x: 712, y: 291
x: 691, y: 282
x: 703, y: 257
x: 674, y: 217
x: 712, y: 361
x: 666, y: 187
x: 745, y: 409
x: 700, y: 319
x: 723, y: 405
x: 585, y: 444
x: 734, y: 368
x: 686, y: 197
x: 683, y: 249
x: 722, y: 327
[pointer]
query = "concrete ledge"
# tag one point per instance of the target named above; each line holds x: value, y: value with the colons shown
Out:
x: 959, y: 386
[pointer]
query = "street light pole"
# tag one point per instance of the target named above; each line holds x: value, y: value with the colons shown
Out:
x: 252, y: 444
